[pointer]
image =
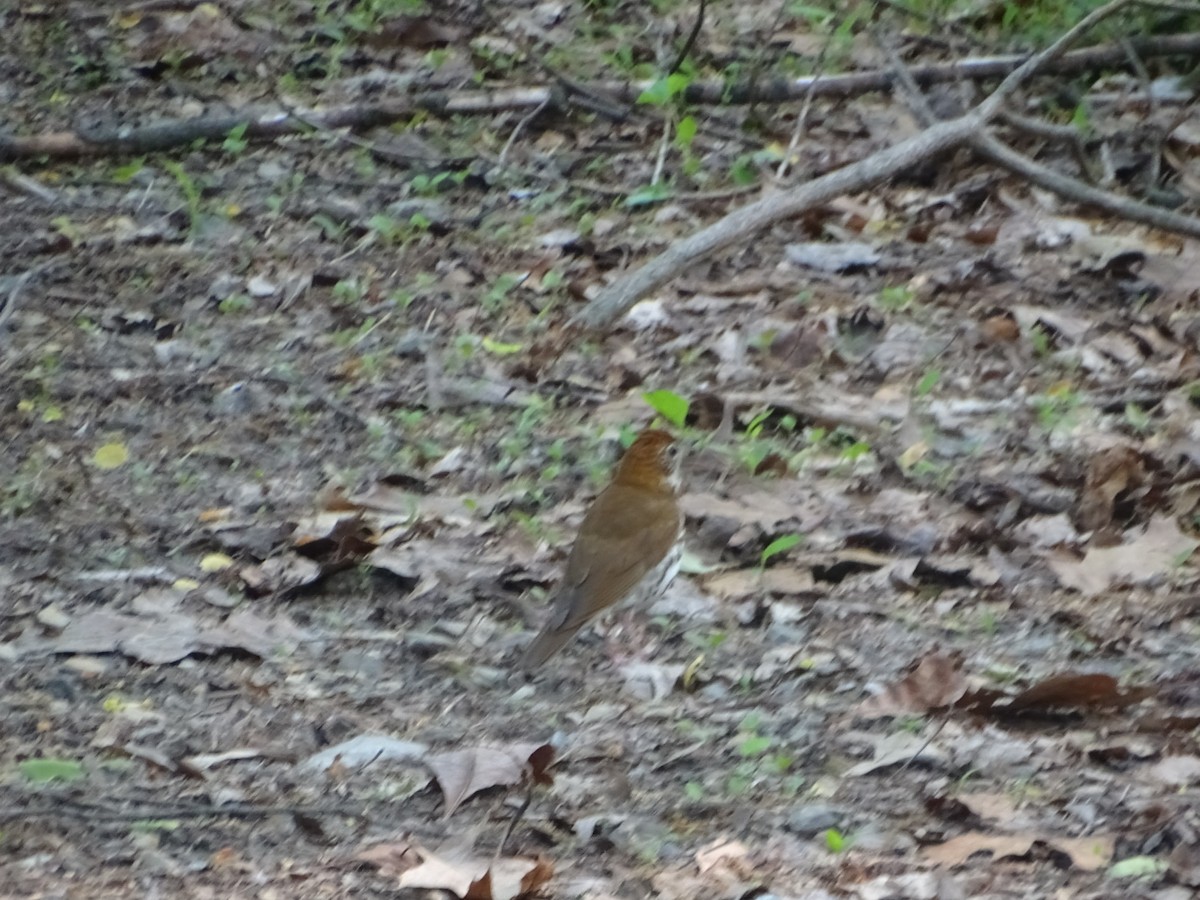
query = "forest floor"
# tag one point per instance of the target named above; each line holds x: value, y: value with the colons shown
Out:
x: 296, y: 436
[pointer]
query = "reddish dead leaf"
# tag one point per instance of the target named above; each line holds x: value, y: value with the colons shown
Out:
x: 540, y: 761
x: 1073, y: 691
x: 510, y: 878
x: 1163, y: 724
x: 772, y: 464
x: 1000, y: 327
x: 463, y: 773
x: 937, y: 681
x: 982, y: 234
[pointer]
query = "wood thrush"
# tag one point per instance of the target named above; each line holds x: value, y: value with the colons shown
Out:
x: 628, y: 548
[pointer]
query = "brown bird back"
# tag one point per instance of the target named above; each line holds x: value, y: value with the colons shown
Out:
x: 627, y: 546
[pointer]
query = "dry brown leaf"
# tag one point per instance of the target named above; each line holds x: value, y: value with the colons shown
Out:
x: 937, y: 681
x: 462, y: 773
x: 1111, y: 471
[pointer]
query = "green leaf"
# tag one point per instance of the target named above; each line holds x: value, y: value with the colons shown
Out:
x: 235, y: 141
x: 928, y: 382
x: 651, y: 193
x: 655, y: 95
x: 50, y: 769
x: 145, y: 826
x: 754, y: 745
x: 742, y: 170
x: 1138, y: 867
x: 834, y: 840
x: 677, y: 83
x: 125, y: 174
x: 669, y: 405
x: 499, y: 348
x: 111, y: 456
x: 779, y: 545
x: 685, y: 131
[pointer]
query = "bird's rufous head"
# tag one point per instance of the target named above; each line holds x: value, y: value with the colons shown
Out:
x: 651, y: 462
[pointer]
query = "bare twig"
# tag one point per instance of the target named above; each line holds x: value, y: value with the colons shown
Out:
x: 1072, y: 189
x: 520, y: 126
x: 691, y: 40
x: 615, y: 299
x: 805, y: 108
x: 517, y: 816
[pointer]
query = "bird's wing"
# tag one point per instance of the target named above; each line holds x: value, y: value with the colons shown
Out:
x: 628, y: 534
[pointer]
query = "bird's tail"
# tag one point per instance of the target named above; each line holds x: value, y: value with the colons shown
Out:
x: 546, y: 644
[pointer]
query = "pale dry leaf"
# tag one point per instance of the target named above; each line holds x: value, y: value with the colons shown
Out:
x: 725, y: 853
x: 476, y: 878
x: 512, y: 877
x: 1177, y: 771
x: 651, y: 681
x: 989, y: 806
x: 761, y: 509
x: 1144, y: 559
x: 203, y: 762
x: 457, y: 875
x: 462, y: 773
x: 363, y: 750
x: 1087, y: 853
x: 958, y: 850
x: 901, y: 748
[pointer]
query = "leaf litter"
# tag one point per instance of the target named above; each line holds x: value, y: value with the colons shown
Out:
x: 975, y: 407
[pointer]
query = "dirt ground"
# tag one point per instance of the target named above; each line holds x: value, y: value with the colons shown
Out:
x: 295, y: 435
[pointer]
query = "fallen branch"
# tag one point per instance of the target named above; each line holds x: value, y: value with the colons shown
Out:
x: 616, y: 299
x: 268, y: 124
x: 107, y: 812
x: 996, y: 151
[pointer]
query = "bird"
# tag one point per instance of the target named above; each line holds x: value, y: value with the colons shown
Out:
x: 628, y: 548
